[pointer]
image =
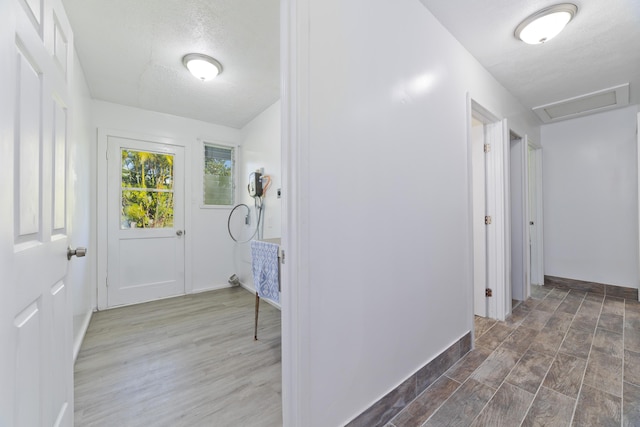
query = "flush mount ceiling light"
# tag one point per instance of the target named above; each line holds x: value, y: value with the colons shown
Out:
x: 545, y: 24
x: 202, y: 66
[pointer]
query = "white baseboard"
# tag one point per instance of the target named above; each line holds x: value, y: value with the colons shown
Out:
x: 79, y: 335
x: 248, y: 288
x: 268, y: 301
x: 209, y: 288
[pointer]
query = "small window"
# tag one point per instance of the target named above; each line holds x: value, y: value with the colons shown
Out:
x: 218, y: 175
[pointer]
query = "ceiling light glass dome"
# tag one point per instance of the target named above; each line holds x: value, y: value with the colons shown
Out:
x: 202, y: 66
x: 545, y: 24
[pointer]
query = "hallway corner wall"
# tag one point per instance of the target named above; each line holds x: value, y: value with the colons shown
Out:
x: 81, y: 275
x: 260, y: 147
x: 382, y: 215
x: 590, y: 185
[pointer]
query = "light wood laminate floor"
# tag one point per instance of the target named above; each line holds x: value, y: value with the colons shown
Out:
x: 185, y: 361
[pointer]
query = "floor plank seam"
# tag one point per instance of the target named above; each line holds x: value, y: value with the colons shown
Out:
x: 575, y: 408
x: 445, y: 401
x: 539, y: 386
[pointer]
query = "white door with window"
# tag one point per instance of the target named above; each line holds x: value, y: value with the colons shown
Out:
x: 36, y: 354
x: 145, y: 220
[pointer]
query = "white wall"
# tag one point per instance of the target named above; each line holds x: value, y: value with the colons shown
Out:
x: 260, y: 148
x: 382, y: 216
x: 209, y: 249
x: 591, y: 198
x: 80, y: 199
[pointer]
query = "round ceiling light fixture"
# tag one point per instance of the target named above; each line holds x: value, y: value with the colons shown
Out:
x: 545, y: 24
x: 202, y: 66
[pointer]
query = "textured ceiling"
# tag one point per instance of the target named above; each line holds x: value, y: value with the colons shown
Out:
x: 600, y: 48
x: 131, y: 52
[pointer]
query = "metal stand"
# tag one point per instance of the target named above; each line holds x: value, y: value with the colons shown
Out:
x: 255, y: 332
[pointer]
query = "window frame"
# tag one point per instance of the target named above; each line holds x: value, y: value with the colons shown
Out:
x: 171, y: 190
x: 234, y: 151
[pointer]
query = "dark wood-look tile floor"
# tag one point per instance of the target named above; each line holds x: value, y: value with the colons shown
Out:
x: 564, y: 358
x: 185, y: 361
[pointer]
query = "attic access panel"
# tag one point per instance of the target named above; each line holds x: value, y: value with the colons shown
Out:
x: 594, y: 102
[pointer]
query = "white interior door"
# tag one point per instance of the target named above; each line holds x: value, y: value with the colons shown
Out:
x: 499, y: 231
x: 491, y: 219
x: 519, y: 215
x: 36, y: 357
x: 146, y: 236
x: 479, y: 211
x: 533, y: 217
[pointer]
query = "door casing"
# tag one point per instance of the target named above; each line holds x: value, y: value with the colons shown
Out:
x: 102, y: 206
x: 498, y: 253
x: 479, y: 210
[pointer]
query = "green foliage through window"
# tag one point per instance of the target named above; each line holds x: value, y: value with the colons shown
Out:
x: 218, y: 175
x: 147, y: 190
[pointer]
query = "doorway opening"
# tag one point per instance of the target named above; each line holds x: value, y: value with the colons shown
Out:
x: 489, y: 188
x: 518, y: 180
x: 534, y: 211
x: 479, y: 184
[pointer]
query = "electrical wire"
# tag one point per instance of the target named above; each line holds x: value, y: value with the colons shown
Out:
x: 258, y: 203
x: 267, y: 185
x: 259, y: 209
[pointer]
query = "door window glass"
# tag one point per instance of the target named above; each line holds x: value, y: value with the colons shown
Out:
x: 146, y: 190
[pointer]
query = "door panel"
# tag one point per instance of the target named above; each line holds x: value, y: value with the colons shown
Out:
x: 533, y: 218
x: 28, y: 146
x: 59, y: 351
x: 34, y: 8
x: 536, y: 230
x: 60, y: 44
x: 145, y: 220
x: 518, y: 215
x: 36, y: 364
x: 59, y: 167
x: 498, y: 242
x: 28, y: 324
x: 479, y: 228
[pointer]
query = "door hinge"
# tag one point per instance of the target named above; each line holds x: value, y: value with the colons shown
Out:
x: 488, y: 292
x: 487, y: 220
x: 487, y: 148
x: 282, y: 255
x: 106, y: 282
